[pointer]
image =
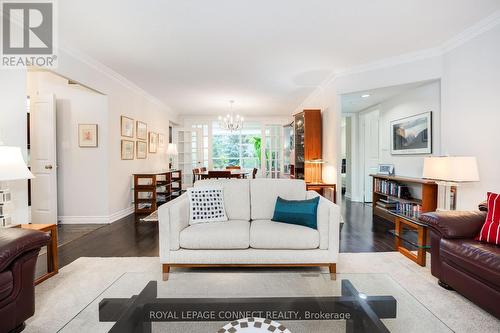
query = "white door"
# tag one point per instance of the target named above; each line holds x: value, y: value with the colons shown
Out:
x: 370, y: 150
x: 43, y: 159
x: 190, y: 150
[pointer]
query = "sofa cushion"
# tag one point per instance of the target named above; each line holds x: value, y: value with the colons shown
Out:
x: 206, y: 204
x: 236, y: 196
x: 233, y: 234
x: 6, y: 284
x: 264, y: 192
x: 477, y: 258
x: 267, y: 234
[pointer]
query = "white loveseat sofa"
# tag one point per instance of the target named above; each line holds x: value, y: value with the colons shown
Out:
x: 249, y: 238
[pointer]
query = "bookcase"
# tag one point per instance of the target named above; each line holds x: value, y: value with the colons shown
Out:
x: 151, y: 190
x: 403, y: 197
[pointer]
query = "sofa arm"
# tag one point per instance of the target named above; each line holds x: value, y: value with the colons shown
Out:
x: 173, y: 217
x: 455, y: 224
x: 14, y: 242
x: 328, y: 223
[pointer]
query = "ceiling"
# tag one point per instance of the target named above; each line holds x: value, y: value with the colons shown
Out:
x: 355, y: 102
x: 268, y: 56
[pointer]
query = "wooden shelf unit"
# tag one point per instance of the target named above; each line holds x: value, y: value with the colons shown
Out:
x: 404, y: 223
x: 428, y: 194
x: 151, y: 190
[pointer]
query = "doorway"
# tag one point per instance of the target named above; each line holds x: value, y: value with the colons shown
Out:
x: 369, y: 131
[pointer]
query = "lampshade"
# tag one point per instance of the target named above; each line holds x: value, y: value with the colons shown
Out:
x: 12, y: 166
x: 172, y: 149
x: 451, y: 168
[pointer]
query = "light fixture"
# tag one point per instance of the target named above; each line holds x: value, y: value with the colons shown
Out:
x: 448, y: 172
x: 231, y: 122
x: 171, y: 152
x: 12, y: 167
x: 365, y: 96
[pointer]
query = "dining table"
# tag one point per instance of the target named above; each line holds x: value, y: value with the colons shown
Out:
x: 235, y: 173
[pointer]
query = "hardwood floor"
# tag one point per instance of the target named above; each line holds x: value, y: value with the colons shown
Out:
x: 360, y: 233
x: 128, y: 238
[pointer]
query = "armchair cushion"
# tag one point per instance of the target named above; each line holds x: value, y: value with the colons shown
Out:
x: 490, y: 232
x: 14, y: 242
x: 479, y: 259
x: 455, y: 224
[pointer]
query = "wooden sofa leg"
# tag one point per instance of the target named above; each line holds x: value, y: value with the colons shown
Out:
x: 332, y: 268
x: 166, y: 270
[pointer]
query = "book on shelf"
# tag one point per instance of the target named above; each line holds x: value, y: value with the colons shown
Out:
x: 408, y: 209
x: 390, y: 205
x: 392, y: 188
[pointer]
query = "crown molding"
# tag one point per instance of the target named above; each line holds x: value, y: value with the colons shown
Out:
x: 484, y: 25
x: 110, y: 73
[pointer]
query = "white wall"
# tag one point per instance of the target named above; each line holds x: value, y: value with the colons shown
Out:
x: 81, y: 172
x: 124, y: 98
x: 471, y: 111
x: 469, y: 72
x: 13, y: 126
x: 415, y: 101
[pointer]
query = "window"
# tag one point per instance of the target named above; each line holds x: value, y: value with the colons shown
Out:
x: 236, y: 148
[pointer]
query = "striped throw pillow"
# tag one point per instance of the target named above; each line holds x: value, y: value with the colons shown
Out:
x: 490, y: 232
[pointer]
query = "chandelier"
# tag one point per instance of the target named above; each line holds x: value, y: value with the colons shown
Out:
x: 231, y: 122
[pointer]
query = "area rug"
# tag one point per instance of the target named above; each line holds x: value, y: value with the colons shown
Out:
x: 61, y: 297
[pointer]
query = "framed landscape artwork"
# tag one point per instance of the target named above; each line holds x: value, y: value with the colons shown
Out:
x: 161, y: 141
x: 127, y: 126
x: 153, y: 142
x: 142, y: 149
x: 142, y: 130
x: 87, y: 135
x: 127, y: 150
x: 412, y: 135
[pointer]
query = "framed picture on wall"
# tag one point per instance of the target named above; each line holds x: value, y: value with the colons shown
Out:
x: 142, y: 130
x: 127, y: 126
x: 141, y: 149
x: 153, y: 142
x: 87, y: 135
x: 161, y: 141
x: 127, y: 150
x: 412, y: 135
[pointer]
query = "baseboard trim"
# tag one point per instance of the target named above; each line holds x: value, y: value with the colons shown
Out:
x: 103, y: 219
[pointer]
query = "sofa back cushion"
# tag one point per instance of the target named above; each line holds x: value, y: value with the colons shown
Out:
x: 264, y: 192
x: 236, y: 196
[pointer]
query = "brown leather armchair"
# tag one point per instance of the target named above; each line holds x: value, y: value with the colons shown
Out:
x: 470, y: 267
x: 18, y: 254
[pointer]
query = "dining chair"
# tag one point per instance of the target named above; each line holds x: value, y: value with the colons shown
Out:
x: 233, y: 167
x: 203, y: 169
x: 219, y: 174
x: 254, y: 173
x: 196, y: 175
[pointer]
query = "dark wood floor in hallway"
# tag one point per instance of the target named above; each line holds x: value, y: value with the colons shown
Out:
x: 130, y: 238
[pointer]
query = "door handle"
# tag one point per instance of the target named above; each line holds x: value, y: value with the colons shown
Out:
x: 48, y: 167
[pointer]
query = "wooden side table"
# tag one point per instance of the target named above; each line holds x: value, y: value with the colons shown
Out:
x: 321, y: 187
x: 52, y: 257
x: 421, y: 243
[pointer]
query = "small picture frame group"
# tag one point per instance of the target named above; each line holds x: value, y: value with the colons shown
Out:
x: 87, y: 136
x: 147, y: 142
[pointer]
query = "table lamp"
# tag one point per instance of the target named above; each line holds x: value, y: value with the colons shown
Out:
x: 449, y: 172
x: 12, y: 167
x: 171, y: 152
